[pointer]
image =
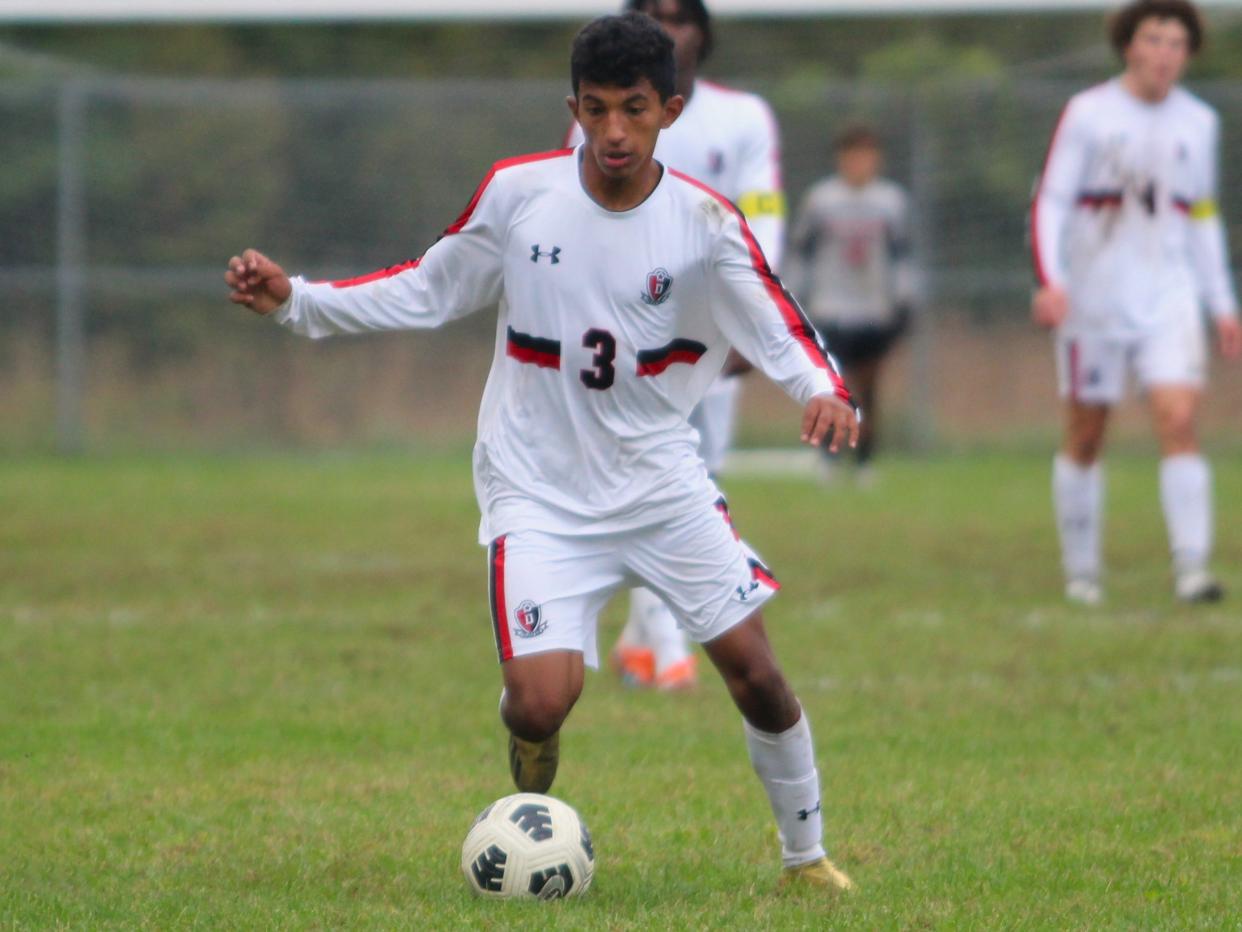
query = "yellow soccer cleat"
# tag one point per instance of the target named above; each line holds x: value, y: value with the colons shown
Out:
x: 822, y: 874
x: 533, y: 763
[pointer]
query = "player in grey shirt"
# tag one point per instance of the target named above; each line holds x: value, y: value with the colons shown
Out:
x: 849, y: 263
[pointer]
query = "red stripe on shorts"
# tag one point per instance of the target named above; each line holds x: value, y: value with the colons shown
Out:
x: 500, y: 609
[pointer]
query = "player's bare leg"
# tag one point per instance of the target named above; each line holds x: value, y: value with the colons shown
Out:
x: 863, y: 377
x: 1078, y: 494
x: 1185, y: 490
x: 778, y: 737
x: 540, y: 689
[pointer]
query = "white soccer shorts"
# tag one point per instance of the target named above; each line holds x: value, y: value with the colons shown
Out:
x: 547, y: 590
x: 1093, y: 368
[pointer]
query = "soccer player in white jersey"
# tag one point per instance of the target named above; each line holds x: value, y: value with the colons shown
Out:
x: 621, y: 286
x: 727, y: 139
x: 1129, y: 249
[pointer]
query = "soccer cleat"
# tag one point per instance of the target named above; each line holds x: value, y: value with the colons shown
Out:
x: 533, y: 763
x: 684, y: 674
x: 1084, y: 591
x: 635, y: 665
x: 1198, y: 586
x: 821, y: 873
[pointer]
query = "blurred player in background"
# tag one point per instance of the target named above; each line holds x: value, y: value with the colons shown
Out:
x: 1128, y: 250
x: 622, y: 285
x: 849, y: 263
x: 727, y: 139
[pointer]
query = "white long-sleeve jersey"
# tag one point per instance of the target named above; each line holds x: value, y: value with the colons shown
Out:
x: 611, y: 326
x: 1124, y: 216
x: 729, y: 139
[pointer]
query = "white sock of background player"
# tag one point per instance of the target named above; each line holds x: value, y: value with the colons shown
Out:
x: 1186, y: 494
x: 1078, y: 493
x: 660, y: 630
x: 785, y: 763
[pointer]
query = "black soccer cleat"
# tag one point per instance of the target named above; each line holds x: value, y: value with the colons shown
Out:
x: 533, y: 763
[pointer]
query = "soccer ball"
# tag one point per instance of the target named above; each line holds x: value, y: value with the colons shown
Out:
x: 529, y: 846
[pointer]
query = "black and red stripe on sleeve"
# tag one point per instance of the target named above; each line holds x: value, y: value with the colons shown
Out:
x: 795, y: 320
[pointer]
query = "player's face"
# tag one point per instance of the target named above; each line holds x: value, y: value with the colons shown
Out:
x: 621, y: 125
x: 686, y: 35
x: 1157, y: 56
x: 859, y: 165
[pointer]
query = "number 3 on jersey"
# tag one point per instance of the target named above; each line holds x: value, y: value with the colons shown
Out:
x: 605, y: 346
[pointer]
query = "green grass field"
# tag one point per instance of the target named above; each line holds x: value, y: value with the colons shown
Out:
x: 261, y: 693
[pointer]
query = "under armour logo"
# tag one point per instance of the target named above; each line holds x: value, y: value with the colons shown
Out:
x: 744, y: 593
x: 536, y: 255
x: 804, y: 814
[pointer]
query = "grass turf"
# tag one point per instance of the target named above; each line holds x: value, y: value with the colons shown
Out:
x: 262, y: 692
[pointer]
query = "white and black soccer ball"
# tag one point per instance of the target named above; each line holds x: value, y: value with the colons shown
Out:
x: 530, y: 846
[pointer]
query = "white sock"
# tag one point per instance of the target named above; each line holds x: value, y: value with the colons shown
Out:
x: 1186, y: 494
x: 664, y: 637
x: 651, y: 624
x: 634, y: 634
x: 1077, y: 494
x: 785, y: 763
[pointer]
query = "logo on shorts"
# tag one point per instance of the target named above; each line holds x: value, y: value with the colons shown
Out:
x: 531, y: 622
x: 659, y: 286
x: 743, y: 592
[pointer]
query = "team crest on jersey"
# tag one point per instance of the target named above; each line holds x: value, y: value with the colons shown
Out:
x: 531, y: 622
x: 659, y: 286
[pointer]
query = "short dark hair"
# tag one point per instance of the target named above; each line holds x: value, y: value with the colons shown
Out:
x: 857, y: 136
x: 619, y: 51
x: 1125, y: 22
x: 694, y: 9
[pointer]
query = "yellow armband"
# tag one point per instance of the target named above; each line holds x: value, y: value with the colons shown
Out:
x: 1203, y: 210
x: 756, y: 204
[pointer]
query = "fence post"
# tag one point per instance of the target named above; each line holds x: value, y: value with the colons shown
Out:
x: 922, y: 399
x: 70, y: 261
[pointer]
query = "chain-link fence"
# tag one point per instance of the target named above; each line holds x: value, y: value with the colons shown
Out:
x: 122, y: 199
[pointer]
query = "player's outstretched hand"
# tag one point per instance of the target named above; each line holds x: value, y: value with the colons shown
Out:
x: 828, y: 416
x: 257, y: 282
x: 1049, y: 306
x: 1229, y: 332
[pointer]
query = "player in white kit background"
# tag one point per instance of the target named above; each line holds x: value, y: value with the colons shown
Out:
x: 1129, y: 249
x: 621, y: 286
x: 729, y: 140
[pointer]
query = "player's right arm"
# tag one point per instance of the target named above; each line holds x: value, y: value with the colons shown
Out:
x: 460, y: 274
x: 1050, y: 212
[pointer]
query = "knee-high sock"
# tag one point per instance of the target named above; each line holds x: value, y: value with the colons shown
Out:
x: 651, y: 624
x: 785, y: 763
x: 634, y: 634
x: 1186, y: 494
x: 1077, y: 494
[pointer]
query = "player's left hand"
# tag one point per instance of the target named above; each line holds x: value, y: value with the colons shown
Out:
x: 827, y: 413
x: 1229, y: 332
